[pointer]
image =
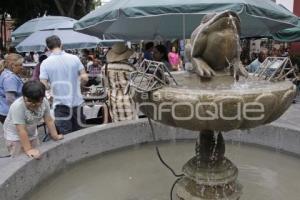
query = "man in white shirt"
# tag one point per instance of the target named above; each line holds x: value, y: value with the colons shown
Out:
x: 64, y: 72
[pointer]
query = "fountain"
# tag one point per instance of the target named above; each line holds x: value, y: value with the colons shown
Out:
x: 211, y: 104
x: 210, y: 100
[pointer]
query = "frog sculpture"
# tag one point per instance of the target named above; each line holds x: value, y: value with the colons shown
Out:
x: 215, y: 45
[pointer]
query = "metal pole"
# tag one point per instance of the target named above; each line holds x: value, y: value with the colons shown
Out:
x: 1, y: 33
x: 183, y: 26
x: 4, y: 23
x: 184, y: 36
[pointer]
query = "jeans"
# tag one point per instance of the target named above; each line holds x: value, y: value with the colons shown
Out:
x: 68, y: 119
x: 2, y: 118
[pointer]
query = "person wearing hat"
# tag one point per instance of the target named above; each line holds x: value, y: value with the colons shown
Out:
x: 117, y: 72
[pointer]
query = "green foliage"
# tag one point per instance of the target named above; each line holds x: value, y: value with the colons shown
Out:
x: 24, y: 10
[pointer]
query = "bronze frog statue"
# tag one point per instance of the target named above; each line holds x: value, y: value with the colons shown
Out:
x: 215, y: 45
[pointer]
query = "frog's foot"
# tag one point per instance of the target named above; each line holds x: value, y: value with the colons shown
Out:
x: 243, y: 71
x: 202, y: 68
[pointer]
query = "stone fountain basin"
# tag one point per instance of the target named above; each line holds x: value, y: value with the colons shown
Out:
x: 218, y: 104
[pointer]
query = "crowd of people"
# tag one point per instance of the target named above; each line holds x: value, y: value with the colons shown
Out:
x: 24, y: 105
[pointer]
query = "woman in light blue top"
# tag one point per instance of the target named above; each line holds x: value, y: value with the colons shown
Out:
x: 10, y: 83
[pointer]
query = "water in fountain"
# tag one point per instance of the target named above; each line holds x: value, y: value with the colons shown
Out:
x: 190, y: 82
x: 137, y: 174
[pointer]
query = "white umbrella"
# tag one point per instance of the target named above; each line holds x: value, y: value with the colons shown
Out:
x: 70, y: 38
x: 108, y: 43
x: 36, y: 24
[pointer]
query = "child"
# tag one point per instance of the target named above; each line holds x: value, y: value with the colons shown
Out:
x: 20, y: 126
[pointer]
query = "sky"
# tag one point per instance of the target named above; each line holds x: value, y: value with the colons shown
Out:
x: 287, y: 3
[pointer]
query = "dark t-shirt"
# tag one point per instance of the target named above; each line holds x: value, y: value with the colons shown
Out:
x: 148, y: 55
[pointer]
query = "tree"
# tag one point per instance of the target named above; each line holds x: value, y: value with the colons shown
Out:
x: 74, y: 8
x: 25, y: 10
x: 22, y: 11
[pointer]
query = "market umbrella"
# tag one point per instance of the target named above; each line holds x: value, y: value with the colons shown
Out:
x: 288, y: 35
x: 36, y: 24
x: 108, y: 43
x: 70, y: 38
x: 156, y: 19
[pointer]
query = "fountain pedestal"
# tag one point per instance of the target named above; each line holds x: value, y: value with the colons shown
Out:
x: 217, y: 105
x: 209, y: 175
